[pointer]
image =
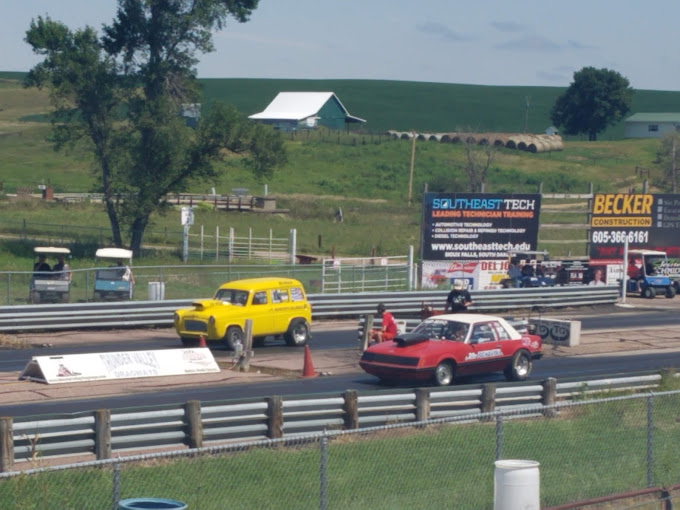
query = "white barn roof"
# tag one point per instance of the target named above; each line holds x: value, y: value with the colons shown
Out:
x: 299, y: 106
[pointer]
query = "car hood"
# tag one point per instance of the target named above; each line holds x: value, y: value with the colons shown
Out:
x: 206, y: 304
x: 411, y: 345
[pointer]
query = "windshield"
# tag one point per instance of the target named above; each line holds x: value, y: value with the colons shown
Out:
x: 235, y: 297
x: 438, y: 329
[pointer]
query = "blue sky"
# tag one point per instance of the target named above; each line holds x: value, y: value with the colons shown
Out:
x: 484, y: 42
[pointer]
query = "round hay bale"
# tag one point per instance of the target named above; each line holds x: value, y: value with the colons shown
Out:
x: 406, y: 136
x: 423, y: 136
x: 436, y: 137
x: 445, y: 138
x: 392, y: 133
x: 500, y: 140
x: 471, y: 139
x: 456, y: 138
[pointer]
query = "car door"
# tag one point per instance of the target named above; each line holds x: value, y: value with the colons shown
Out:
x: 484, y: 354
x: 280, y: 308
x: 260, y: 313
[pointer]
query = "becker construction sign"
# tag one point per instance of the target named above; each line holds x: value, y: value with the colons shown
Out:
x: 479, y: 226
x: 647, y: 221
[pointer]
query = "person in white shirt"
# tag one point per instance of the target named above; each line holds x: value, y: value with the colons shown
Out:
x: 597, y: 278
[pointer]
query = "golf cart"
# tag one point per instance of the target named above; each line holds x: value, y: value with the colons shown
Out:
x: 47, y: 286
x: 653, y: 279
x: 114, y: 283
x: 523, y: 273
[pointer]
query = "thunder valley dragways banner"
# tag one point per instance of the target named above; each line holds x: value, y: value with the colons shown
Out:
x: 469, y: 236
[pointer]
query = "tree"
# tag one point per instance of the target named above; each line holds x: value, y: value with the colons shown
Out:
x: 597, y: 98
x: 479, y: 154
x: 120, y: 95
x: 668, y: 157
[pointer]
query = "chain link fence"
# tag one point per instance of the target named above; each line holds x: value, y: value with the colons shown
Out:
x: 622, y: 448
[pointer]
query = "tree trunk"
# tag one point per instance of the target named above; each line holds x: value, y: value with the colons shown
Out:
x: 138, y: 227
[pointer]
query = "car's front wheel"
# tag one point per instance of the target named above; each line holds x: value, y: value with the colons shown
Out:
x: 233, y: 338
x: 649, y: 292
x: 297, y: 334
x: 519, y: 368
x: 443, y: 374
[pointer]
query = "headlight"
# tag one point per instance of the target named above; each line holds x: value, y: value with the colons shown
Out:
x: 175, y: 317
x: 211, y: 320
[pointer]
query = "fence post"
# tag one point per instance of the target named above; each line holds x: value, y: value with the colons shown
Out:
x: 499, y: 436
x: 350, y: 410
x: 6, y: 445
x: 488, y: 400
x: 548, y: 396
x: 366, y: 333
x: 192, y: 414
x: 422, y: 404
x: 322, y: 473
x: 116, y: 485
x: 650, y: 441
x: 274, y: 417
x: 102, y: 434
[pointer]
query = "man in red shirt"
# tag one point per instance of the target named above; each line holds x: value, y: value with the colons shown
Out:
x: 389, y: 327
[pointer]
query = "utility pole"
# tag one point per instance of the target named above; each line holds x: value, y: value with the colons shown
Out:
x: 413, y: 158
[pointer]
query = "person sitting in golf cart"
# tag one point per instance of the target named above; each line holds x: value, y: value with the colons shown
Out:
x: 125, y: 272
x: 41, y: 267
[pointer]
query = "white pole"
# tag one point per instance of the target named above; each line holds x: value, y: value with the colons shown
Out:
x: 293, y: 245
x: 202, y: 242
x: 410, y: 267
x: 185, y: 244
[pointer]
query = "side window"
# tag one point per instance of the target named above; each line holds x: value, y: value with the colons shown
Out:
x: 501, y: 333
x: 260, y: 298
x: 483, y: 333
x: 296, y: 294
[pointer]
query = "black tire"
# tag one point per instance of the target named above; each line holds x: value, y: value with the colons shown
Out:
x: 649, y: 292
x: 519, y: 367
x: 670, y: 292
x: 297, y: 334
x: 189, y: 342
x: 676, y: 286
x: 444, y: 374
x: 233, y: 337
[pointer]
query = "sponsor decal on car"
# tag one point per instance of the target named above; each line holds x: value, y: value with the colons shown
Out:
x: 483, y: 354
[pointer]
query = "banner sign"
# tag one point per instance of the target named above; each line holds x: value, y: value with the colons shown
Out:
x: 478, y: 226
x: 119, y: 365
x: 647, y: 221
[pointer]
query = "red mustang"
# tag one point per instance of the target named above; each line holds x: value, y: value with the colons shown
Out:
x: 447, y: 346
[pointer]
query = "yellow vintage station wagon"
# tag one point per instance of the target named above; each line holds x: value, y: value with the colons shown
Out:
x: 277, y: 306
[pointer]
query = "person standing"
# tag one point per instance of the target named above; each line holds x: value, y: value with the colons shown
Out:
x: 458, y: 299
x: 389, y: 328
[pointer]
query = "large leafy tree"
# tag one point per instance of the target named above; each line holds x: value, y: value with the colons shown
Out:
x: 120, y: 95
x: 597, y: 98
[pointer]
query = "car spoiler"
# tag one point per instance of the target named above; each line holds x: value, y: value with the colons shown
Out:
x: 410, y: 339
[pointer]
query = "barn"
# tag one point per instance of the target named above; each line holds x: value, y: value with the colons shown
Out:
x: 651, y: 125
x: 290, y: 111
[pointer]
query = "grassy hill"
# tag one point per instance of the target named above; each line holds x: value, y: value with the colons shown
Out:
x: 366, y: 175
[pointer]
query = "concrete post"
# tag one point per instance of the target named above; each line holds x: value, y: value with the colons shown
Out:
x: 422, y: 404
x: 488, y: 400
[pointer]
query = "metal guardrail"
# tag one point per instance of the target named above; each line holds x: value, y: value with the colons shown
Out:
x: 324, y: 306
x: 175, y: 426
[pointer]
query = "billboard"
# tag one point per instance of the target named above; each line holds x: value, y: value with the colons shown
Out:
x: 468, y: 236
x: 476, y: 226
x: 647, y: 221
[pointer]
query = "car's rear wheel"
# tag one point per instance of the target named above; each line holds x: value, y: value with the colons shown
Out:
x: 233, y: 338
x: 297, y: 334
x: 670, y: 292
x: 519, y: 368
x: 443, y: 374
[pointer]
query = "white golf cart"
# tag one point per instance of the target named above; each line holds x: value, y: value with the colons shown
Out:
x: 114, y: 283
x: 47, y: 286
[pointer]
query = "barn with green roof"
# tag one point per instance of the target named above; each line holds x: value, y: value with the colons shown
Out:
x: 651, y: 125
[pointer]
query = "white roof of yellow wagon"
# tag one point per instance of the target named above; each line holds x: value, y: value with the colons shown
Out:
x: 51, y: 250
x: 114, y: 253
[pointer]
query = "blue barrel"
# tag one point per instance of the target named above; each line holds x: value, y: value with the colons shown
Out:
x: 151, y: 503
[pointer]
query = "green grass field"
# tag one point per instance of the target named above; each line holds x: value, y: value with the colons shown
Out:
x: 366, y: 175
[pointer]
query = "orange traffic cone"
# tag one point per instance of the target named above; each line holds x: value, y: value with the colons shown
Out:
x: 308, y: 369
x: 201, y: 341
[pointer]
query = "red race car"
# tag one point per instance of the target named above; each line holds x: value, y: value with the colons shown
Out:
x: 447, y: 346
